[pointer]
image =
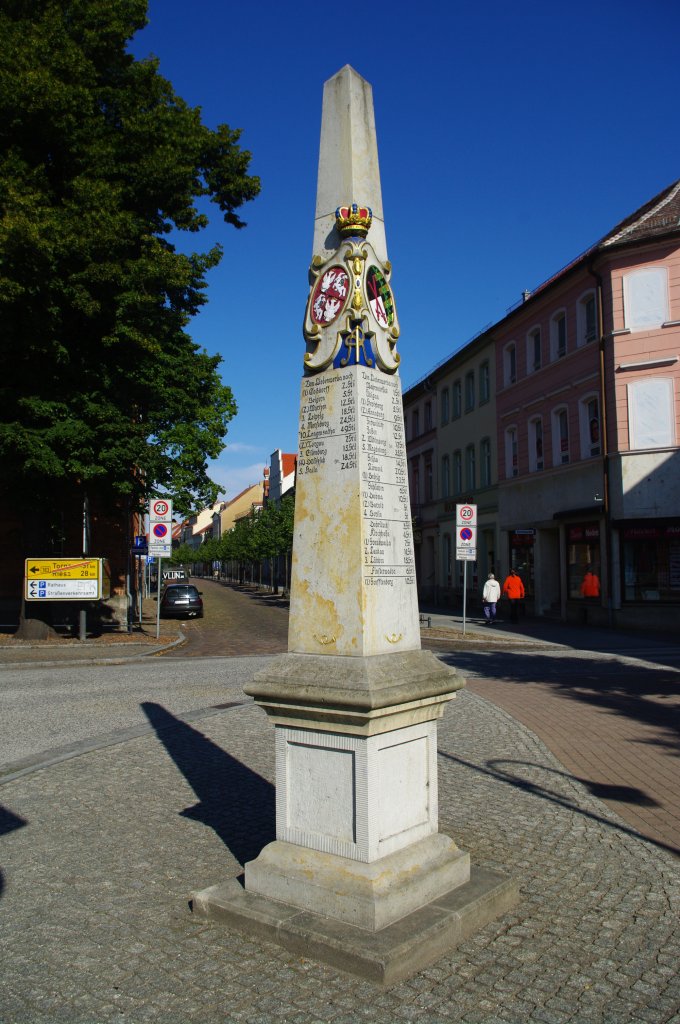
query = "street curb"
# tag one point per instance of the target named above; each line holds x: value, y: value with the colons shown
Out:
x: 93, y: 659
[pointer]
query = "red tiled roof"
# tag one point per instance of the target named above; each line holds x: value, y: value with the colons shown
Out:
x: 288, y: 463
x: 660, y: 216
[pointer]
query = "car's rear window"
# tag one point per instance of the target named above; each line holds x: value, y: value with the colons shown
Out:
x: 182, y: 592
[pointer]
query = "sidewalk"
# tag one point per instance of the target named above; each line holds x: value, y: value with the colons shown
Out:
x: 109, y: 647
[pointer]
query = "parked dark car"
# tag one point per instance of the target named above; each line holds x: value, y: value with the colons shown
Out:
x: 181, y: 599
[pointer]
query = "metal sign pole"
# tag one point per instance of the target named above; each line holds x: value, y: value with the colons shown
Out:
x: 158, y: 599
x: 464, y: 593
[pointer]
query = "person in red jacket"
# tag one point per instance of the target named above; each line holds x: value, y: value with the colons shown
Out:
x: 591, y: 584
x: 513, y: 589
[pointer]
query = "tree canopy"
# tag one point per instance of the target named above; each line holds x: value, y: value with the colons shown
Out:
x: 102, y: 388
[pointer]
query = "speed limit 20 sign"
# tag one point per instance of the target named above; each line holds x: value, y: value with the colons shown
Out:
x: 466, y: 515
x: 160, y: 510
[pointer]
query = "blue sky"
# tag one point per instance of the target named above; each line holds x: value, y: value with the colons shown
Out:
x: 511, y: 137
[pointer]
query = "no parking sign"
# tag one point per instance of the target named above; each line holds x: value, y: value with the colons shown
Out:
x: 466, y: 533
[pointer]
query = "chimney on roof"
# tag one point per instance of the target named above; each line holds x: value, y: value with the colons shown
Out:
x: 526, y: 294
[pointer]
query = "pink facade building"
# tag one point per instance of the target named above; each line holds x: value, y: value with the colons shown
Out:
x: 587, y: 424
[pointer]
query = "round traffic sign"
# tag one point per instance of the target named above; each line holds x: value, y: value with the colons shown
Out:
x: 160, y: 530
x: 467, y: 513
x: 466, y: 533
x: 160, y: 507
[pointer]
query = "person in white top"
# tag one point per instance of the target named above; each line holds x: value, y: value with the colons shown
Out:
x: 490, y: 595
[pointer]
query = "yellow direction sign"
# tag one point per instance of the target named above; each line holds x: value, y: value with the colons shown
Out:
x: 62, y: 568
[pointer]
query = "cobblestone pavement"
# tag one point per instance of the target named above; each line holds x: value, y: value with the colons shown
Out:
x: 238, y: 621
x: 100, y: 852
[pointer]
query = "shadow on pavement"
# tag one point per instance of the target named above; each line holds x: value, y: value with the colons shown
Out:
x: 647, y: 695
x: 9, y: 821
x: 516, y: 780
x: 237, y: 803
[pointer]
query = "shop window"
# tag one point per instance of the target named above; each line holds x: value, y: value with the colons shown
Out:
x: 535, y: 444
x: 651, y: 564
x: 534, y: 354
x: 558, y: 335
x: 651, y: 413
x: 484, y: 382
x: 485, y: 462
x: 509, y: 364
x: 560, y: 433
x: 444, y: 406
x: 645, y: 298
x: 586, y: 319
x: 583, y: 560
x: 511, y: 466
x: 589, y: 416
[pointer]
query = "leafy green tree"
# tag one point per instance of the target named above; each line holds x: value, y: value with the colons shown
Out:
x: 103, y: 390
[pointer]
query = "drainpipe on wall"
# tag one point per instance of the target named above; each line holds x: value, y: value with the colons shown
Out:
x: 604, y: 441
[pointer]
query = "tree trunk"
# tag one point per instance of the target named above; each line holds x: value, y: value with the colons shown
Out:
x: 35, y: 622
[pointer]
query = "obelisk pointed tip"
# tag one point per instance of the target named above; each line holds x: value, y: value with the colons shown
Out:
x: 348, y: 159
x: 347, y: 70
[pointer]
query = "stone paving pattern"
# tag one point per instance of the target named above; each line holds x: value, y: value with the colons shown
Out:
x: 101, y: 851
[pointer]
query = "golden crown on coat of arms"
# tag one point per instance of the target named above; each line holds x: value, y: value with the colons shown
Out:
x: 353, y: 220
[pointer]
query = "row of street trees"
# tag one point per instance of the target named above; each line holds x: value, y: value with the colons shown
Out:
x: 257, y: 548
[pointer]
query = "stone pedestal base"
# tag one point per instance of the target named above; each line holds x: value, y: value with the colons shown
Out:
x: 369, y: 896
x: 384, y: 957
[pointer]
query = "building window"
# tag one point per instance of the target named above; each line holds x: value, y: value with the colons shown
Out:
x: 469, y: 391
x: 560, y: 431
x: 457, y: 472
x: 586, y: 319
x: 534, y: 350
x: 429, y: 482
x: 511, y: 466
x: 470, y: 468
x: 651, y: 554
x: 428, y: 416
x: 583, y: 562
x: 645, y: 298
x: 651, y: 413
x: 535, y: 444
x: 509, y: 364
x: 589, y: 417
x: 446, y: 477
x: 558, y: 335
x: 484, y: 383
x: 415, y: 482
x: 415, y: 422
x: 444, y: 406
x: 447, y: 564
x: 485, y: 462
x: 457, y: 399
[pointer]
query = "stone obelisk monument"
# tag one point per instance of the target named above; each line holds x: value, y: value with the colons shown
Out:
x: 359, y: 874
